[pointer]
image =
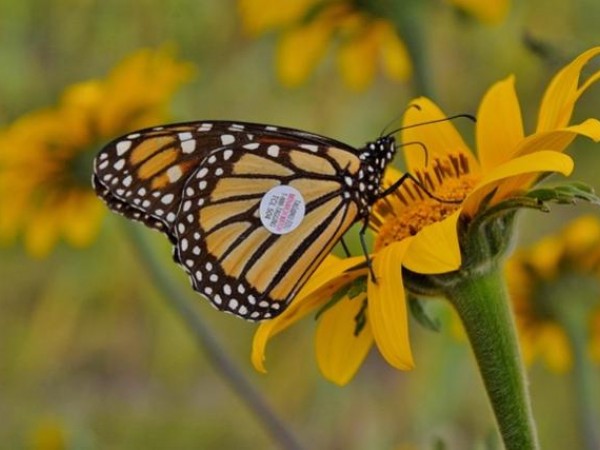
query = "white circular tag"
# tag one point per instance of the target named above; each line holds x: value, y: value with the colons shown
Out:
x: 282, y: 209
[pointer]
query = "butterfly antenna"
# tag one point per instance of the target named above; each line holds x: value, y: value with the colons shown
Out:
x: 389, y: 124
x: 471, y: 117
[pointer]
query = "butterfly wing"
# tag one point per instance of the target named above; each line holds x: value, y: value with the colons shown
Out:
x: 201, y: 183
x: 232, y: 258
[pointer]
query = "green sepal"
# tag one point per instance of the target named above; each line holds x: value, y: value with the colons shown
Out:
x: 567, y: 193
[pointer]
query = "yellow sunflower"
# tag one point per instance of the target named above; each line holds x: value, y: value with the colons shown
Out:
x: 558, y: 272
x: 420, y: 234
x: 309, y: 26
x: 46, y: 155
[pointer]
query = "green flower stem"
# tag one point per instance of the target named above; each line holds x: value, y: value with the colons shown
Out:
x: 205, y: 339
x: 574, y: 322
x: 483, y: 304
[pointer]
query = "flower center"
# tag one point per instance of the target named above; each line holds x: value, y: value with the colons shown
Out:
x: 408, y: 209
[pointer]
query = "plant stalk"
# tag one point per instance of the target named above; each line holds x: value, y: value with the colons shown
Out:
x: 483, y: 305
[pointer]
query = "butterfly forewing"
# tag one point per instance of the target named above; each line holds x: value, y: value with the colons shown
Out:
x: 142, y: 174
x: 231, y: 256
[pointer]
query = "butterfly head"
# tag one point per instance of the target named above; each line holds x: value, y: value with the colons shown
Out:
x: 375, y: 157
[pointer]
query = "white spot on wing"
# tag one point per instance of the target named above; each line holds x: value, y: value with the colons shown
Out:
x: 188, y: 146
x: 167, y: 199
x: 310, y: 147
x: 227, y: 139
x: 174, y: 173
x: 122, y: 147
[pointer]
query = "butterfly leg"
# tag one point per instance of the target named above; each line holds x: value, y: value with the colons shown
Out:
x: 345, y: 248
x: 363, y: 244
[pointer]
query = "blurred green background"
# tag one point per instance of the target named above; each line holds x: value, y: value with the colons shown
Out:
x: 89, y: 350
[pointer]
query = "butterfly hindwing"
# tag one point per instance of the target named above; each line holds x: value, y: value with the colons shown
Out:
x: 222, y: 242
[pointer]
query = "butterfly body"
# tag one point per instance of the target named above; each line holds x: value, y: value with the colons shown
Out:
x: 251, y: 209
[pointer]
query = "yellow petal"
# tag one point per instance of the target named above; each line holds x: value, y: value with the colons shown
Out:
x: 357, y: 59
x: 581, y: 236
x: 140, y: 87
x: 516, y: 175
x: 41, y: 232
x: 554, y: 348
x: 259, y: 16
x: 499, y: 127
x: 340, y: 352
x: 558, y: 140
x: 527, y: 343
x: 329, y: 278
x: 81, y: 219
x: 394, y: 55
x: 488, y: 11
x: 387, y: 306
x: 545, y: 255
x: 440, y: 139
x: 300, y: 50
x: 435, y: 248
x: 563, y: 91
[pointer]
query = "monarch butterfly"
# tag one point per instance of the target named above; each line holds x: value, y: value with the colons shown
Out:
x: 250, y: 209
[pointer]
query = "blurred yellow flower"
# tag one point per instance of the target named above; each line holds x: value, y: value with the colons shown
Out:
x: 559, y: 271
x: 364, y: 42
x: 307, y: 28
x: 419, y: 233
x: 46, y: 155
